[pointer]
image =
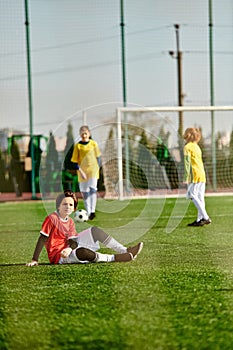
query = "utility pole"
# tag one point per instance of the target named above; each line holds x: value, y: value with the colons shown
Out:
x: 30, y: 100
x: 122, y: 26
x: 211, y: 60
x: 178, y: 56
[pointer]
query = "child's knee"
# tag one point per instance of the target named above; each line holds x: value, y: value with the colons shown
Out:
x: 85, y: 254
x: 85, y: 195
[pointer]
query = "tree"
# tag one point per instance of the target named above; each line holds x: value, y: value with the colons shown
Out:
x: 143, y: 161
x: 165, y: 159
x: 69, y: 173
x: 50, y: 178
x: 231, y: 158
x: 231, y: 146
x: 16, y: 169
x: 2, y: 173
x: 52, y: 154
x: 68, y: 151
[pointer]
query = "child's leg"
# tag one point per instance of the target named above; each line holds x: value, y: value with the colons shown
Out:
x: 84, y: 188
x: 89, y: 194
x: 84, y: 239
x: 87, y: 201
x: 84, y: 256
x: 91, y: 237
x: 197, y: 197
x: 93, y: 199
x: 87, y: 255
x: 108, y: 241
x: 124, y: 257
x: 201, y: 197
x: 111, y: 243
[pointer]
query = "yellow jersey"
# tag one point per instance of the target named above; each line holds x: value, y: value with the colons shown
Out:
x: 86, y: 154
x: 193, y: 165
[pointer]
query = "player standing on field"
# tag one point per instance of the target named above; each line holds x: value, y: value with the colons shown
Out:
x: 194, y: 175
x: 86, y: 156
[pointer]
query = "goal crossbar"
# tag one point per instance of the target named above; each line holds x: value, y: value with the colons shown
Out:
x: 175, y: 109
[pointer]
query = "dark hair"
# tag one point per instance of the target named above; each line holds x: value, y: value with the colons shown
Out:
x: 67, y: 193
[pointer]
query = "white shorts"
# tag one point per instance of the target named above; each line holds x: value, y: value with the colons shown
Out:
x: 85, y: 240
x: 87, y: 185
x: 195, y: 190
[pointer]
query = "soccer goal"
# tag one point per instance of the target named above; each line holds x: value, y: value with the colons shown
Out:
x: 144, y: 153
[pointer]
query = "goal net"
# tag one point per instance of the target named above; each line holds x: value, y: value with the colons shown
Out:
x: 143, y: 154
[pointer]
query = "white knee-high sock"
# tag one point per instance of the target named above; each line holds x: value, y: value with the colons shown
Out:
x: 87, y: 201
x: 201, y: 209
x: 93, y: 200
x: 104, y: 257
x: 113, y: 244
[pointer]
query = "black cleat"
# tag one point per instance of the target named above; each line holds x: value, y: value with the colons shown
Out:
x: 91, y: 216
x: 195, y: 223
x: 135, y: 250
x: 205, y: 222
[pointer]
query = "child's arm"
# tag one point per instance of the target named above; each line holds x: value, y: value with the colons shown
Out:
x: 72, y: 245
x: 82, y: 173
x: 99, y: 161
x: 187, y: 167
x: 39, y: 246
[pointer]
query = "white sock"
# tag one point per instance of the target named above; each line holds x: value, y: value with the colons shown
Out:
x: 104, y: 257
x: 87, y: 202
x: 93, y: 200
x: 201, y: 208
x: 113, y: 244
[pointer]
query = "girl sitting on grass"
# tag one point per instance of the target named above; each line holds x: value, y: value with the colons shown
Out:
x: 65, y: 246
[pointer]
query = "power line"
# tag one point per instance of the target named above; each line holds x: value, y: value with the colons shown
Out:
x: 145, y: 56
x: 204, y: 52
x: 110, y: 37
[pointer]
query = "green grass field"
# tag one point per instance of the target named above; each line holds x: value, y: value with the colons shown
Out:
x: 178, y: 293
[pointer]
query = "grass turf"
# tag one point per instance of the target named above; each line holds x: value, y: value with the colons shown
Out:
x: 178, y: 293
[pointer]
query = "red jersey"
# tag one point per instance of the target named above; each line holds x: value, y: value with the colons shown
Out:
x: 58, y: 232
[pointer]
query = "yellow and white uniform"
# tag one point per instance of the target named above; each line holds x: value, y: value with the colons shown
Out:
x: 86, y: 154
x: 194, y: 174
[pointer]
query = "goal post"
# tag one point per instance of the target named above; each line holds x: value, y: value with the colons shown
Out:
x: 128, y: 117
x: 120, y: 156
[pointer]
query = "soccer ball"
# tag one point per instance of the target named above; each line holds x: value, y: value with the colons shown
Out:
x: 81, y: 215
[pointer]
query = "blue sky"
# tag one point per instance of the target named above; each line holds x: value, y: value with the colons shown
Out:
x: 76, y: 59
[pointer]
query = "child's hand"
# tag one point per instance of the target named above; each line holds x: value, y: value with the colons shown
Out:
x: 82, y: 173
x: 32, y: 263
x: 66, y: 252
